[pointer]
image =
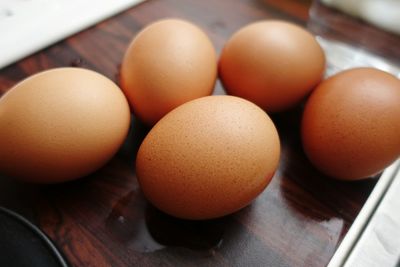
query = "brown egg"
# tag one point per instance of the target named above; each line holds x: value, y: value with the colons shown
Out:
x: 208, y: 158
x: 351, y: 123
x: 61, y: 124
x: 274, y: 64
x: 167, y: 64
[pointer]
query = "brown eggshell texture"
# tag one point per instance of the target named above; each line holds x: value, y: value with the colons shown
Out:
x: 167, y: 64
x: 351, y: 123
x: 274, y: 64
x: 61, y: 124
x: 208, y: 158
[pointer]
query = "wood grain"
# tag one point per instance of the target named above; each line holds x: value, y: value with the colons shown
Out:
x: 104, y: 220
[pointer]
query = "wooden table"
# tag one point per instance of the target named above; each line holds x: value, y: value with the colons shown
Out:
x: 103, y: 219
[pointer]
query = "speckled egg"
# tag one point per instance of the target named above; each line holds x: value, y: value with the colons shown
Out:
x: 272, y: 63
x: 208, y: 158
x: 60, y: 125
x: 351, y: 123
x: 168, y: 63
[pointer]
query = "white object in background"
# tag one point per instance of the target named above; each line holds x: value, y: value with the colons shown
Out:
x: 374, y: 238
x: 27, y: 26
x: 381, y: 13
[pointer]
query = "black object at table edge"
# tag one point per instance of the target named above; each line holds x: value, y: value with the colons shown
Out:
x: 37, y: 232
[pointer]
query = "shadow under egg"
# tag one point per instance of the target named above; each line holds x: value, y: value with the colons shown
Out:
x: 137, y: 132
x: 195, y: 235
x: 142, y: 227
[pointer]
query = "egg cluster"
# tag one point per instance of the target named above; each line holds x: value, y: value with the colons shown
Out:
x: 205, y: 156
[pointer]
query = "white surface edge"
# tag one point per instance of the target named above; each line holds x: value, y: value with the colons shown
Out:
x: 379, y: 243
x: 76, y: 20
x: 344, y: 250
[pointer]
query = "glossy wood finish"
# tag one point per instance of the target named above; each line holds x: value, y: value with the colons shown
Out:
x: 103, y: 219
x: 332, y: 24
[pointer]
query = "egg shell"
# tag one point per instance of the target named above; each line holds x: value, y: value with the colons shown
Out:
x: 351, y: 123
x: 167, y: 64
x: 208, y: 158
x: 61, y: 124
x: 274, y: 64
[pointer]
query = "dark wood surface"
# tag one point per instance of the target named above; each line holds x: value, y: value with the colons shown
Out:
x: 103, y: 219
